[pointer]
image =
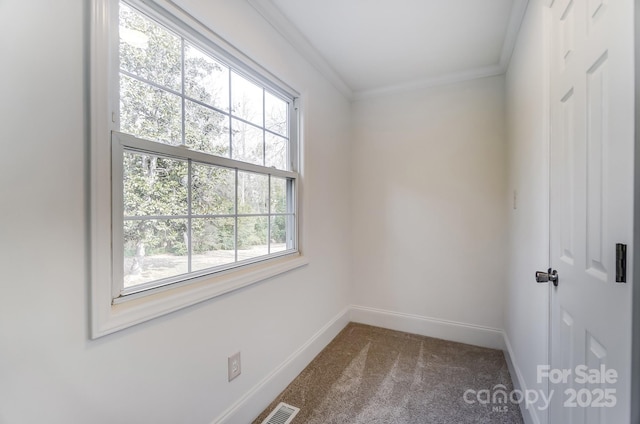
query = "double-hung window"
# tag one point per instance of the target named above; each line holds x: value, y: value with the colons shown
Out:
x: 203, y: 163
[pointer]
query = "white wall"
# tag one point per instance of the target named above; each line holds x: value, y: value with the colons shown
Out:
x: 428, y: 195
x: 172, y: 369
x: 527, y: 303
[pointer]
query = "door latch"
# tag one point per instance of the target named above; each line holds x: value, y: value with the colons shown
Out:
x: 545, y: 277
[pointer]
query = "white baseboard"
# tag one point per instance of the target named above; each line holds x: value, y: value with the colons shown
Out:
x: 249, y: 406
x: 530, y: 415
x: 432, y: 327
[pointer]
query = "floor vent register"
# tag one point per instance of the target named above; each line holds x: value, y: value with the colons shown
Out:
x: 283, y: 414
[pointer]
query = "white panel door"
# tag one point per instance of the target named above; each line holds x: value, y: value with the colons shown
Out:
x: 591, y: 147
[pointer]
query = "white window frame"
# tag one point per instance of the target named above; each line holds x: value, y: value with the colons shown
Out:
x: 111, y: 311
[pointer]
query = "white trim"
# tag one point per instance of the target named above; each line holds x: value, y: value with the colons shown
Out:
x: 529, y: 415
x: 252, y: 403
x: 472, y: 74
x: 516, y: 18
x: 101, y: 104
x: 432, y: 327
x: 272, y: 14
x: 292, y: 34
x: 123, y: 315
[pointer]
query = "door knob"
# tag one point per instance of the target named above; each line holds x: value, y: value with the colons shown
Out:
x: 545, y: 277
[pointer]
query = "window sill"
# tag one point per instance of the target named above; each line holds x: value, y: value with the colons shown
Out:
x: 141, y: 308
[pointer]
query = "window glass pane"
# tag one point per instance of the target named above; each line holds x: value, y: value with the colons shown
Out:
x: 247, y: 143
x: 275, y: 114
x: 148, y: 112
x: 213, y: 242
x: 246, y: 99
x: 206, y: 130
x: 154, y: 249
x: 149, y: 50
x: 278, y: 195
x: 253, y: 193
x: 252, y: 237
x: 280, y: 228
x: 154, y: 185
x: 276, y: 152
x: 205, y: 79
x: 212, y: 190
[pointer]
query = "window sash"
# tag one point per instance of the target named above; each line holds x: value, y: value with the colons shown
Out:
x: 200, y: 36
x: 122, y: 142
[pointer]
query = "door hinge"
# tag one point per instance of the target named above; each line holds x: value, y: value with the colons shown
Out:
x: 621, y: 263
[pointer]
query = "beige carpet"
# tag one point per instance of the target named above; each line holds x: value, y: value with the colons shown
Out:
x: 371, y: 375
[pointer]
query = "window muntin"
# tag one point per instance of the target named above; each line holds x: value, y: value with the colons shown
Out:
x: 208, y: 179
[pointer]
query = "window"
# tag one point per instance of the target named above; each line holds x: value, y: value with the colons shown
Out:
x: 203, y: 164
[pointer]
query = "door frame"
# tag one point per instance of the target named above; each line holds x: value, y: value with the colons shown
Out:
x: 635, y: 355
x: 547, y: 21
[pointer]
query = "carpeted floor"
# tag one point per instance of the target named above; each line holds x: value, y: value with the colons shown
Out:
x: 370, y: 375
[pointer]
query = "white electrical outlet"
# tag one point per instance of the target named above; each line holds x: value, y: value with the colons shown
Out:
x: 234, y: 366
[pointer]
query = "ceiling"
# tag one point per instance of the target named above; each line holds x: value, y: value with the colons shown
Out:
x: 369, y: 47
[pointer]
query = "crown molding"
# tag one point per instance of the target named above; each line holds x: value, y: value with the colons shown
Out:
x: 288, y: 30
x: 468, y: 75
x: 513, y: 29
x: 292, y: 34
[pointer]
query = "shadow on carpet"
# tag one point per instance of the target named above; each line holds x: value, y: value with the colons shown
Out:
x: 370, y: 375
